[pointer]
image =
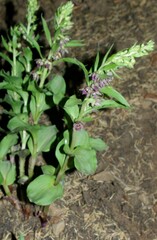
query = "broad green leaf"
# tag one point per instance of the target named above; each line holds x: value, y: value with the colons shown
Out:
x: 58, y: 97
x: 42, y: 190
x: 97, y: 144
x: 111, y: 92
x: 8, y: 172
x: 80, y: 138
x: 15, y: 81
x: 27, y: 54
x: 58, y: 87
x: 19, y: 122
x: 85, y: 160
x: 56, y: 84
x: 71, y: 107
x: 59, y: 154
x: 15, y: 104
x: 6, y: 143
x: 19, y: 68
x: 48, y: 169
x: 38, y: 105
x: 43, y: 136
x: 47, y: 32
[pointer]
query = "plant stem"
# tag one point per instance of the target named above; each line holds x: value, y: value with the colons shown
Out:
x: 43, y: 78
x: 7, y: 190
x: 62, y: 170
x: 32, y: 162
x: 22, y: 167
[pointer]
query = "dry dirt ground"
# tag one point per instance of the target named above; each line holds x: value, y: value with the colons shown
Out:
x: 120, y: 201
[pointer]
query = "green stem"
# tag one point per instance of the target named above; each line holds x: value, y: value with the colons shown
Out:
x: 22, y: 167
x: 32, y: 162
x: 7, y: 190
x: 62, y: 171
x: 43, y: 78
x: 14, y: 62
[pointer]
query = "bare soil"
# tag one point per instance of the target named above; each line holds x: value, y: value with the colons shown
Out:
x: 120, y: 201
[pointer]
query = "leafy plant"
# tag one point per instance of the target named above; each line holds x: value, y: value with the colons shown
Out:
x: 29, y: 87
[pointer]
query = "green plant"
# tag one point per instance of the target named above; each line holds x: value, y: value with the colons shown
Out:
x: 29, y: 87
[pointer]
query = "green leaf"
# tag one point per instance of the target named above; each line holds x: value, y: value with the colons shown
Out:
x: 38, y: 105
x: 109, y: 104
x: 106, y: 56
x: 85, y: 160
x: 96, y: 62
x: 97, y: 144
x: 75, y: 43
x: 47, y: 32
x: 1, y: 178
x: 42, y: 190
x: 111, y: 92
x: 6, y: 143
x: 78, y: 63
x: 27, y: 54
x: 71, y: 107
x: 19, y: 122
x: 66, y: 147
x: 6, y: 58
x: 58, y: 87
x: 35, y: 44
x: 5, y: 44
x: 48, y: 169
x: 8, y: 172
x: 16, y: 105
x: 80, y: 138
x: 33, y: 108
x: 43, y: 137
x: 21, y: 237
x: 59, y: 154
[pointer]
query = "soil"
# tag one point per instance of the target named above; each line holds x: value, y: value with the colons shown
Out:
x: 119, y: 202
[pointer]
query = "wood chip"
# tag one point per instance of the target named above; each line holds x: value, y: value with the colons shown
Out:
x: 104, y: 176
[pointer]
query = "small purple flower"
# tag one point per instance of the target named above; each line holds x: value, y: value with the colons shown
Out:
x: 84, y: 91
x: 95, y: 77
x: 47, y: 64
x: 35, y: 75
x: 95, y: 87
x: 39, y: 63
x: 78, y: 126
x: 93, y: 90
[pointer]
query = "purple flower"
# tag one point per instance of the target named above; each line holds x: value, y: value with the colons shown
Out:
x: 95, y: 77
x: 39, y: 62
x: 78, y: 126
x: 93, y: 90
x: 47, y: 64
x: 35, y: 75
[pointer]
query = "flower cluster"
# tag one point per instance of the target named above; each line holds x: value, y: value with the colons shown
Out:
x: 63, y: 18
x: 96, y: 84
x: 43, y: 63
x: 62, y: 50
x: 40, y: 63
